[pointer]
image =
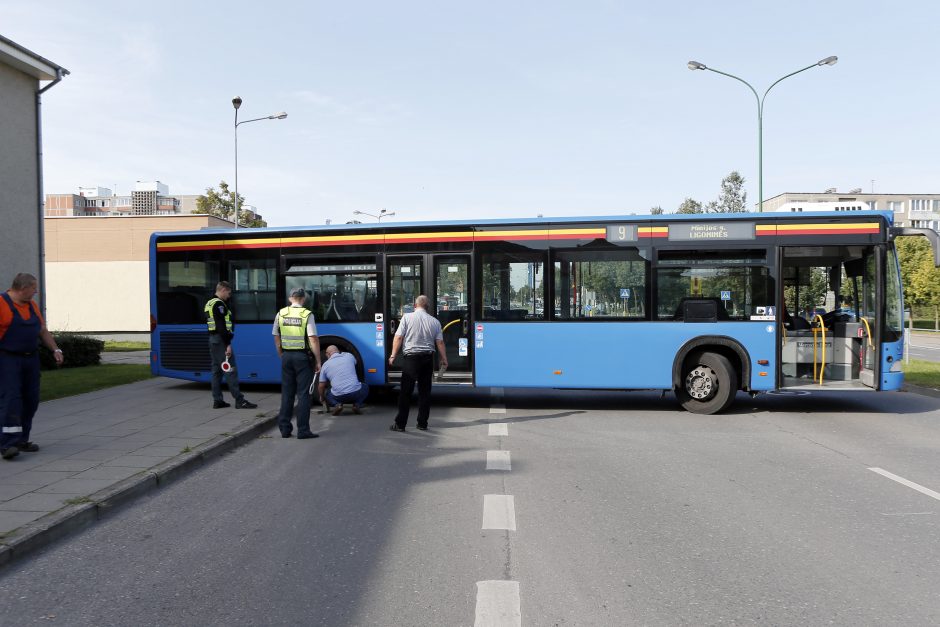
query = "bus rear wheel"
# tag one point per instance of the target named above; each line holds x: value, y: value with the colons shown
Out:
x: 709, y: 384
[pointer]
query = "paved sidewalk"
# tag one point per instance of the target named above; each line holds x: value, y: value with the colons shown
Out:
x: 126, y: 357
x: 106, y: 447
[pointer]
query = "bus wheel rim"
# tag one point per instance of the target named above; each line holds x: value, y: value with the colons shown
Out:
x: 701, y: 382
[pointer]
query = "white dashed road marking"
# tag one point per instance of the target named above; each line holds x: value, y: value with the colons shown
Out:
x: 910, y: 484
x: 499, y: 428
x: 498, y: 604
x: 498, y: 460
x: 499, y: 512
x: 498, y: 409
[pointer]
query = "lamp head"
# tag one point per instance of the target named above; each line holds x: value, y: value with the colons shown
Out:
x: 829, y: 60
x: 695, y: 65
x: 357, y: 213
x: 278, y: 116
x: 236, y: 102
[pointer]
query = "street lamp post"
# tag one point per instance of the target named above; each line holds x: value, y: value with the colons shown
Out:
x: 382, y: 214
x: 695, y: 65
x: 237, y: 102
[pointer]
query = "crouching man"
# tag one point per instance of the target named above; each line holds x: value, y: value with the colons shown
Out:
x: 339, y: 372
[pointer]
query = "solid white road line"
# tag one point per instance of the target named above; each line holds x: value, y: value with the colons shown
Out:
x: 499, y: 512
x: 910, y: 484
x: 498, y: 409
x: 498, y: 604
x: 499, y: 428
x: 498, y: 460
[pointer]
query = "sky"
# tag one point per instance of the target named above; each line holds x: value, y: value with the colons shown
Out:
x: 444, y: 110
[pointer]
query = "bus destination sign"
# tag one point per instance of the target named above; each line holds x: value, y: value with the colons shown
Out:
x: 621, y: 233
x: 698, y: 231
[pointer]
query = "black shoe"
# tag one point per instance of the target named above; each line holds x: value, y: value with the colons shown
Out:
x: 243, y: 404
x: 286, y: 435
x: 357, y: 410
x: 219, y: 404
x: 395, y: 427
x: 307, y: 436
x: 28, y: 447
x: 9, y: 452
x: 422, y: 427
x: 337, y: 409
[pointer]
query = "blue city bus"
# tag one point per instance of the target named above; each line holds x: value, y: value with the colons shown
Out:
x: 701, y: 305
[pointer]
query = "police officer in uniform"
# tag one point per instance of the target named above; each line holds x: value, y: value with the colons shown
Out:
x: 221, y: 332
x: 295, y: 338
x: 21, y: 328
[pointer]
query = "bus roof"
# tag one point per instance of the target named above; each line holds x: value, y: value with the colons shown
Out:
x: 669, y: 217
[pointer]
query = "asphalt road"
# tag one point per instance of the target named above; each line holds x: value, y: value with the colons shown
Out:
x: 925, y: 346
x: 627, y: 512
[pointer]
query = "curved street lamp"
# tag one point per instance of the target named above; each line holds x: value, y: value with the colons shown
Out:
x: 382, y: 214
x: 237, y: 102
x: 695, y: 65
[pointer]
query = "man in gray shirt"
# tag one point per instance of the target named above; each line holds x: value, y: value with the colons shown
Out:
x: 417, y: 336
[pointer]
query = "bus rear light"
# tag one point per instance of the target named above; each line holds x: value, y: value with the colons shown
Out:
x: 762, y: 362
x: 557, y: 372
x: 153, y: 323
x: 763, y: 374
x: 372, y: 370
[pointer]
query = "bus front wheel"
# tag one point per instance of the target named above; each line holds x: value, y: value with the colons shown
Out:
x: 709, y: 384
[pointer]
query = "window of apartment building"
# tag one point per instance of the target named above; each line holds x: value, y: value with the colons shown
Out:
x: 872, y: 204
x: 920, y: 204
x: 896, y: 205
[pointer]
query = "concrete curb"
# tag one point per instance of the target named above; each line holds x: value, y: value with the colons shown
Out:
x: 72, y: 518
x: 919, y: 389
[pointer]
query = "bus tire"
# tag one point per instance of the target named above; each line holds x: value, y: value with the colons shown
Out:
x: 709, y: 383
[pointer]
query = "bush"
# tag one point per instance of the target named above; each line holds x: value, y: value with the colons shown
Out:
x: 79, y: 350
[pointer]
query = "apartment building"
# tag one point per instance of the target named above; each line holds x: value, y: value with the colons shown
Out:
x: 915, y: 210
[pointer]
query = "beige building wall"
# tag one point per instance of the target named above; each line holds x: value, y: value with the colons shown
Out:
x: 19, y: 175
x: 97, y: 269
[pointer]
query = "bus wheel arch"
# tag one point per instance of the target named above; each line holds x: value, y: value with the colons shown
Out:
x: 708, y: 372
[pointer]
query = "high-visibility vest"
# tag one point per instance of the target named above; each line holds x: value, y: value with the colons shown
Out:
x: 210, y: 318
x: 292, y: 325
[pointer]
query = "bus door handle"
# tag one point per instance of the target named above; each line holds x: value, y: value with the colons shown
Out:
x: 466, y: 326
x: 392, y: 325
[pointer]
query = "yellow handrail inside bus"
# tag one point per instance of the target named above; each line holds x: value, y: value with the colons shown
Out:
x: 868, y: 329
x: 821, y: 328
x: 450, y: 323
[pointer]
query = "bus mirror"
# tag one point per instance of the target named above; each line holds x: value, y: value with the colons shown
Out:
x: 932, y: 236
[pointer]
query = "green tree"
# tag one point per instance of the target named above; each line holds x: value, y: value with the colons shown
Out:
x: 656, y: 211
x: 920, y: 277
x: 733, y: 198
x: 221, y: 204
x: 690, y: 205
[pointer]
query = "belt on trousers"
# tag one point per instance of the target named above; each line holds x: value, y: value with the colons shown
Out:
x: 17, y: 353
x: 421, y: 354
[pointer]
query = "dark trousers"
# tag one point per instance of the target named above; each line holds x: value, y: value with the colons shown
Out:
x: 356, y: 398
x: 415, y: 369
x: 19, y: 397
x: 296, y: 377
x: 217, y: 350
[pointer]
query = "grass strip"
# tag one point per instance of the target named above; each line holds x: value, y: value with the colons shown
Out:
x: 72, y: 381
x: 924, y: 373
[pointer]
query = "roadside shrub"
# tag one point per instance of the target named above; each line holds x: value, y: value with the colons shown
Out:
x: 79, y: 350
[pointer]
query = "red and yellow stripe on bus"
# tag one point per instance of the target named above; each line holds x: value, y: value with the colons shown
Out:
x: 643, y: 232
